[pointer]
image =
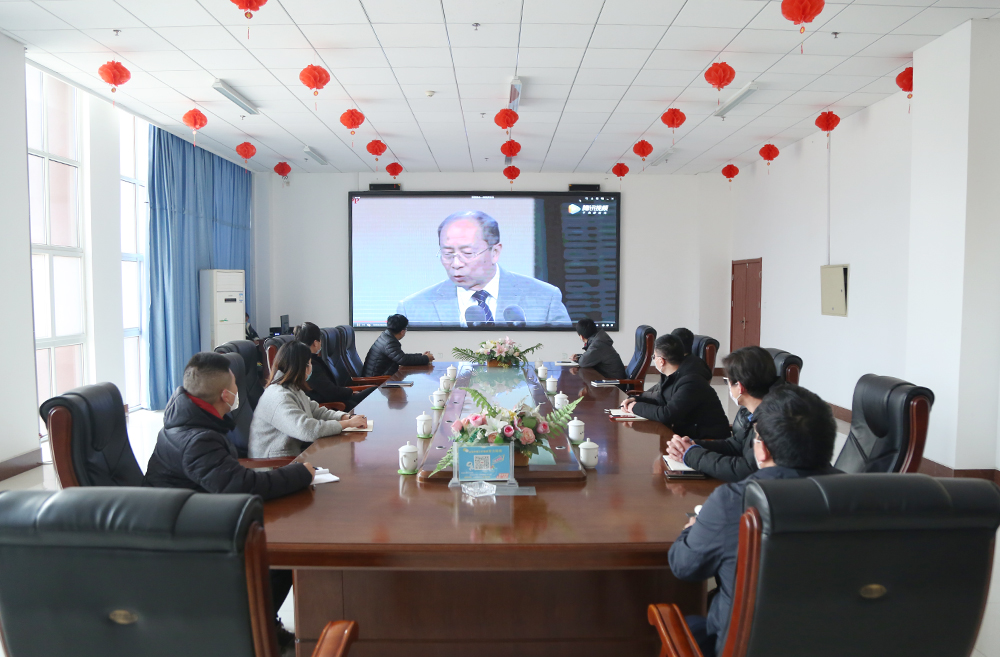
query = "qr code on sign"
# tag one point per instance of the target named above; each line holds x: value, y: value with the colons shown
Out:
x: 481, y: 462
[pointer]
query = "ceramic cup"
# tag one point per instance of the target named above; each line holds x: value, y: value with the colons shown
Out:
x: 588, y: 454
x: 551, y: 384
x: 438, y: 398
x: 408, y: 457
x: 539, y: 364
x: 561, y: 400
x: 424, y: 424
x: 576, y: 430
x: 452, y: 372
x: 543, y: 372
x: 447, y: 383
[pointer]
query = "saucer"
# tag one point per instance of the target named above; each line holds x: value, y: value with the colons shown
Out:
x: 404, y: 472
x: 428, y: 436
x: 437, y: 408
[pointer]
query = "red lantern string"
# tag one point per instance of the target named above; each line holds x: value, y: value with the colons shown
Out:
x: 376, y: 148
x: 801, y: 11
x: 512, y: 172
x: 826, y: 122
x: 248, y: 7
x: 195, y: 120
x: 314, y: 77
x: 510, y: 148
x: 282, y: 169
x: 506, y: 118
x: 720, y: 75
x: 394, y: 169
x: 246, y: 150
x: 673, y: 119
x: 905, y: 82
x: 352, y: 120
x: 115, y: 74
x: 769, y: 152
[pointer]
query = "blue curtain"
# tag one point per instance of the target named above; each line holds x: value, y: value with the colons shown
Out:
x: 199, y: 218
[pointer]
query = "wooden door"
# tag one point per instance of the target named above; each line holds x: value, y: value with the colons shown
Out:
x: 752, y: 325
x: 744, y: 330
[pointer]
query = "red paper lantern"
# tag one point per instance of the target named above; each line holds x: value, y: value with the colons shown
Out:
x: 246, y: 150
x: 115, y: 74
x: 730, y: 171
x: 282, y: 169
x: 827, y: 121
x: 376, y: 148
x: 512, y: 172
x: 642, y: 148
x: 506, y: 118
x: 314, y: 77
x: 510, y: 148
x: 801, y: 11
x: 249, y: 6
x: 719, y: 75
x: 195, y: 120
x: 352, y: 119
x: 394, y: 169
x: 620, y: 169
x: 905, y: 81
x: 769, y: 152
x: 673, y: 118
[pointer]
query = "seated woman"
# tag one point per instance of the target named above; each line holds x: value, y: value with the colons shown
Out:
x: 598, y: 351
x: 286, y: 420
x: 322, y: 387
x: 683, y: 400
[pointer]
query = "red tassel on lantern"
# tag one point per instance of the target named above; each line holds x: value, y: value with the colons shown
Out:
x: 642, y: 148
x: 510, y: 148
x: 394, y: 169
x: 673, y: 119
x: 115, y: 74
x: 195, y: 120
x: 512, y: 172
x: 248, y: 7
x: 506, y: 118
x: 352, y: 120
x: 246, y: 150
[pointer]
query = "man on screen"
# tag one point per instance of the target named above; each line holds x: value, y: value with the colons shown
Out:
x: 478, y: 290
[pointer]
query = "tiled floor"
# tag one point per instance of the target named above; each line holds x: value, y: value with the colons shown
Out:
x: 144, y: 425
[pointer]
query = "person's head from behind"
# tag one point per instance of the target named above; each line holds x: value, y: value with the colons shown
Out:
x: 469, y: 247
x: 397, y: 325
x: 749, y: 372
x: 668, y: 353
x: 309, y: 334
x: 207, y: 376
x: 795, y: 429
x: 292, y: 366
x: 586, y: 328
x: 686, y: 337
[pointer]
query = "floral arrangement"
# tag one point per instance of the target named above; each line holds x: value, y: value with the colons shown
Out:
x: 506, y: 353
x: 523, y: 426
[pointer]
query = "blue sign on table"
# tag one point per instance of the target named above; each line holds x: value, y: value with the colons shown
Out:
x: 483, y: 462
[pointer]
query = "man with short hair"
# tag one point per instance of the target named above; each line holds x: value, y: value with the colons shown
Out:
x: 692, y: 361
x: 386, y: 354
x: 795, y: 438
x: 598, y: 351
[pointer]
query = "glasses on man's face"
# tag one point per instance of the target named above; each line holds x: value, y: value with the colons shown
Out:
x: 464, y: 256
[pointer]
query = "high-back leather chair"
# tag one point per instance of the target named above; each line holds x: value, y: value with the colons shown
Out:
x: 252, y: 367
x: 242, y: 416
x: 636, y: 369
x: 355, y: 365
x: 859, y: 565
x: 334, y: 353
x: 145, y: 571
x: 889, y: 420
x: 271, y: 346
x: 89, y: 438
x: 788, y: 366
x: 706, y: 348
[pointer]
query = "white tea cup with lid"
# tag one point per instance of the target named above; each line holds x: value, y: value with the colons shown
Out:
x: 575, y: 430
x: 438, y: 398
x: 446, y: 382
x: 551, y: 384
x: 424, y: 425
x: 588, y: 454
x: 539, y: 364
x: 561, y: 400
x: 542, y: 372
x: 452, y: 372
x: 408, y: 457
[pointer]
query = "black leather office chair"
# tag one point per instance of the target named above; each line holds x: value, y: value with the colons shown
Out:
x: 89, y: 438
x: 859, y: 565
x: 788, y: 366
x: 111, y: 572
x: 706, y: 348
x: 889, y: 420
x: 355, y: 366
x: 243, y: 417
x: 636, y: 369
x: 271, y: 346
x: 335, y: 355
x: 253, y: 368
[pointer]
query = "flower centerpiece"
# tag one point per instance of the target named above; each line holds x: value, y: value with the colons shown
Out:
x: 523, y: 426
x: 505, y: 353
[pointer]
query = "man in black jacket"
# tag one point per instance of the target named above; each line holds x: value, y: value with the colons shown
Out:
x: 683, y: 400
x: 599, y: 351
x: 692, y: 361
x: 387, y: 355
x: 750, y: 373
x: 795, y: 437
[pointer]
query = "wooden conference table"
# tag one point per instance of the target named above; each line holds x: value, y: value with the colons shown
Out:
x: 427, y: 571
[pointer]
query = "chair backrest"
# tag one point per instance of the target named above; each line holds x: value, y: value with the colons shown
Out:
x: 271, y: 347
x: 889, y: 420
x: 89, y: 438
x: 252, y: 367
x: 242, y: 416
x: 863, y: 565
x: 355, y: 365
x: 706, y: 348
x: 147, y: 571
x: 788, y: 366
x: 333, y: 353
x: 645, y: 336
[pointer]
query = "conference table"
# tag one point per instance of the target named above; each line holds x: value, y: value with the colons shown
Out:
x: 566, y: 566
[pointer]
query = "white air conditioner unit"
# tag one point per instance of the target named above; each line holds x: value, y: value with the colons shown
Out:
x: 223, y: 307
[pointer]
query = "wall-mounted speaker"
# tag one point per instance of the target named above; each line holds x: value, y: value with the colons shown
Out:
x: 385, y: 187
x: 584, y: 188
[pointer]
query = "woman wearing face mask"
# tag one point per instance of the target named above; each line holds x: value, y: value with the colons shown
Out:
x: 683, y: 400
x: 322, y: 387
x: 750, y: 373
x: 286, y: 420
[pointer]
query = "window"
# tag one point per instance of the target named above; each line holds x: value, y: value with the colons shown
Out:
x: 57, y: 271
x: 134, y: 163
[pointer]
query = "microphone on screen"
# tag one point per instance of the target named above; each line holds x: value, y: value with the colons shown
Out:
x: 475, y: 316
x: 514, y: 316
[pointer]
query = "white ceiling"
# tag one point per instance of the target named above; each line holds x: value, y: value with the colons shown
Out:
x: 596, y: 74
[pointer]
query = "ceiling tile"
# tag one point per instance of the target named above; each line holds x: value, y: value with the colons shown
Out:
x: 59, y: 41
x: 223, y: 59
x: 487, y: 35
x: 551, y: 57
x: 267, y: 37
x: 771, y: 19
x: 873, y: 19
x: 538, y: 77
x: 340, y: 36
x: 286, y: 57
x: 640, y: 12
x: 816, y: 99
x: 896, y: 45
x: 201, y: 37
x: 404, y: 11
x: 486, y: 13
x: 627, y: 36
x: 163, y: 60
x: 622, y: 58
x: 815, y: 64
x: 496, y: 76
x: 936, y: 21
x: 425, y: 35
x: 844, y: 44
x: 129, y: 40
x: 597, y: 92
x: 862, y: 99
x: 28, y: 16
x: 698, y: 38
x: 756, y: 62
x: 843, y: 83
x: 335, y: 58
x: 327, y: 12
x: 766, y: 41
x: 84, y: 14
x: 438, y: 78
x: 555, y: 35
x: 493, y: 57
x: 433, y: 57
x: 681, y: 60
x: 545, y: 11
x: 227, y: 13
x: 874, y: 66
x: 719, y: 13
x: 371, y: 76
x: 662, y: 78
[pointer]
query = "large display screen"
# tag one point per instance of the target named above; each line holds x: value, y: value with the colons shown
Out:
x: 457, y: 260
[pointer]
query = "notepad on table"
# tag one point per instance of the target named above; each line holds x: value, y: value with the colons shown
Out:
x: 618, y: 414
x: 607, y: 383
x: 677, y: 470
x: 323, y: 476
x: 566, y: 363
x: 371, y: 425
x: 397, y: 384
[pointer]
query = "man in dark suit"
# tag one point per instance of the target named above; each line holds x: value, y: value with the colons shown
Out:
x: 470, y: 248
x: 795, y: 437
x: 386, y: 355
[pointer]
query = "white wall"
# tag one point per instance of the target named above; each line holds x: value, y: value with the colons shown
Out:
x: 19, y: 428
x: 662, y: 220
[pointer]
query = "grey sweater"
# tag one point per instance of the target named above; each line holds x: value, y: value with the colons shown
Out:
x: 285, y: 418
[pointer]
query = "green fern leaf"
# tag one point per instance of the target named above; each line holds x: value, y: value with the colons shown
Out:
x: 481, y: 402
x: 559, y: 419
x: 445, y: 460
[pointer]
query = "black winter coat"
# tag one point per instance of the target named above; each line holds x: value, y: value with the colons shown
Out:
x: 729, y: 459
x: 192, y: 452
x: 323, y: 387
x: 600, y: 354
x: 685, y: 402
x: 387, y: 355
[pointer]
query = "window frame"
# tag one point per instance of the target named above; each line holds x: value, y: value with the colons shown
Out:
x: 141, y: 238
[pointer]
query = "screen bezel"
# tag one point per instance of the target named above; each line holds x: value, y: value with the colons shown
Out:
x: 350, y: 250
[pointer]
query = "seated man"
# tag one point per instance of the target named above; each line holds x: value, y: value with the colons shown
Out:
x: 750, y: 374
x: 598, y: 351
x: 683, y: 400
x: 386, y: 355
x: 692, y: 361
x: 795, y: 437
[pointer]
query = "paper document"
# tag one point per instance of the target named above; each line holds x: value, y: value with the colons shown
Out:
x: 566, y: 363
x: 323, y: 476
x: 618, y: 414
x: 398, y: 384
x: 677, y: 466
x: 371, y: 425
x: 604, y: 384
